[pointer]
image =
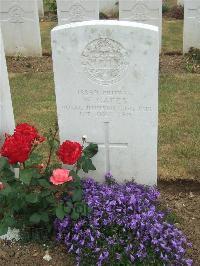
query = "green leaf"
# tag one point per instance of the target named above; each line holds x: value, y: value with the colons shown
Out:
x: 32, y: 198
x: 4, y: 163
x: 44, y: 217
x: 3, y: 229
x: 81, y: 208
x: 60, y: 212
x: 44, y: 183
x: 35, y: 158
x: 6, y: 191
x: 68, y: 207
x: 87, y: 165
x: 77, y: 195
x: 67, y: 210
x: 35, y: 173
x: 35, y: 218
x: 75, y: 215
x: 91, y: 165
x: 91, y: 150
x: 25, y: 176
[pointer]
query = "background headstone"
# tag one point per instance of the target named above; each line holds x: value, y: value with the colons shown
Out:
x: 20, y: 27
x: 77, y: 10
x: 7, y: 123
x: 180, y: 2
x: 191, y: 33
x: 142, y: 11
x: 109, y: 7
x: 41, y: 8
x: 106, y: 83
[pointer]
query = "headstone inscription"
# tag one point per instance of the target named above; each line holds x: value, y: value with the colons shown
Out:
x: 77, y: 10
x: 142, y: 11
x: 106, y: 83
x: 191, y: 32
x: 7, y: 123
x: 20, y: 27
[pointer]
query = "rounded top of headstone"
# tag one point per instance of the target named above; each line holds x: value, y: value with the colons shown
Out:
x: 106, y: 23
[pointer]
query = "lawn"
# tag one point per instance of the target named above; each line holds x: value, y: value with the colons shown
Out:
x: 172, y: 36
x: 179, y: 108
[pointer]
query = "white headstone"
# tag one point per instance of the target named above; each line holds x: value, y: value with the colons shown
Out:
x: 142, y: 11
x: 40, y: 8
x: 20, y: 27
x: 77, y: 10
x: 7, y: 123
x: 108, y: 6
x: 180, y: 2
x: 106, y: 82
x: 191, y: 33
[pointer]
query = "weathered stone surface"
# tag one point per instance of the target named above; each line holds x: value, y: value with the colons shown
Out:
x: 20, y: 27
x: 180, y: 2
x: 106, y: 82
x: 191, y: 33
x: 77, y: 10
x: 41, y: 8
x: 142, y: 11
x: 7, y: 123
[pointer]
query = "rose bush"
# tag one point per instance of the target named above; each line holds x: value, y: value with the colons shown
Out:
x: 35, y: 197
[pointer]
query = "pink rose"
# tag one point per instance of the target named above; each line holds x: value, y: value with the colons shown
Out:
x: 60, y: 176
x: 1, y: 186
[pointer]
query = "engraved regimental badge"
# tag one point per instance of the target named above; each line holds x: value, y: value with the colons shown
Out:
x: 104, y: 61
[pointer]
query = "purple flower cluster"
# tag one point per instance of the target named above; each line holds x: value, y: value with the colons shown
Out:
x: 125, y: 225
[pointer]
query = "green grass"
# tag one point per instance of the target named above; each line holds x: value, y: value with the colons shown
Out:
x: 34, y: 99
x: 171, y: 3
x: 179, y: 126
x: 172, y: 35
x: 46, y: 28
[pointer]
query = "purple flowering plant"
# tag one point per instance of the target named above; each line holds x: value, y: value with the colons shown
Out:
x: 125, y: 227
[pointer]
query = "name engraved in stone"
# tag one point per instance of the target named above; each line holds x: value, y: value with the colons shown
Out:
x: 105, y: 61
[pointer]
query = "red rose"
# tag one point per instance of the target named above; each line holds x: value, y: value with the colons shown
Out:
x: 16, y: 148
x: 69, y: 152
x: 29, y: 132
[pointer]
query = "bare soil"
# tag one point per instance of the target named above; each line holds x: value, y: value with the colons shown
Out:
x: 182, y: 197
x: 169, y: 63
x: 29, y: 64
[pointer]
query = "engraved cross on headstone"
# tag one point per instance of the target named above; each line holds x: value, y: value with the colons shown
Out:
x: 107, y: 145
